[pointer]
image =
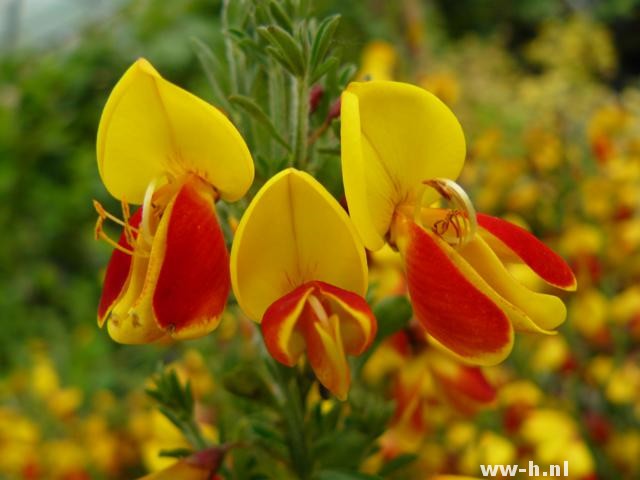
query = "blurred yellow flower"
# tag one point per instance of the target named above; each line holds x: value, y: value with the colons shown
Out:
x: 377, y: 62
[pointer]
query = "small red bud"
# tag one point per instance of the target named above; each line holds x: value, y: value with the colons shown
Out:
x: 334, y: 111
x: 317, y: 92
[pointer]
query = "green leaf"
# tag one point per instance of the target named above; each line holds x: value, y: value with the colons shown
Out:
x: 280, y: 15
x: 173, y: 417
x: 342, y: 448
x: 237, y: 33
x: 188, y: 397
x: 211, y: 67
x: 323, y: 38
x: 330, y: 63
x: 245, y: 381
x: 346, y: 74
x: 175, y: 452
x: 267, y: 433
x: 329, y: 150
x: 393, y: 314
x: 397, y: 463
x: 338, y: 475
x: 154, y: 394
x: 277, y: 54
x: 252, y: 108
x: 287, y: 47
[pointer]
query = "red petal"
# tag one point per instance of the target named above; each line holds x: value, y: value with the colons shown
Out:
x: 292, y: 324
x: 451, y: 308
x: 467, y: 389
x: 540, y: 258
x: 357, y: 323
x: 279, y: 323
x: 194, y: 280
x: 117, y: 272
x: 326, y: 354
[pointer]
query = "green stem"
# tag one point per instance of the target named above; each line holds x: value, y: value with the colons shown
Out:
x: 292, y: 409
x: 228, y: 47
x: 300, y: 98
x: 277, y: 99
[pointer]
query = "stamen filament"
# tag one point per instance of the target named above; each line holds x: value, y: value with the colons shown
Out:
x: 130, y: 231
x: 462, y: 218
x: 103, y: 214
x: 103, y: 236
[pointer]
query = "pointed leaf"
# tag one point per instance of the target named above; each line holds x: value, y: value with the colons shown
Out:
x: 280, y: 15
x: 323, y: 38
x: 323, y: 68
x: 252, y: 108
x: 212, y: 69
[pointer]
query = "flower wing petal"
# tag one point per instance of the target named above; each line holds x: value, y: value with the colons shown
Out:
x: 282, y: 338
x: 150, y: 128
x: 193, y: 281
x: 293, y: 232
x: 452, y: 302
x: 516, y: 241
x: 394, y: 136
x: 327, y: 358
x: 543, y: 312
x: 358, y: 325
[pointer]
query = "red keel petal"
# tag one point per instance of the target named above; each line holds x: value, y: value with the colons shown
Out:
x: 359, y: 325
x: 279, y: 325
x: 326, y: 321
x: 540, y: 258
x: 194, y: 279
x: 450, y: 307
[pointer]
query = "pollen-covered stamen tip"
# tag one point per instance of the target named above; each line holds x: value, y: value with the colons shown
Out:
x: 101, y: 235
x: 461, y: 218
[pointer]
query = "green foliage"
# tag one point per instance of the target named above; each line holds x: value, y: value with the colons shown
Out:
x: 175, y: 401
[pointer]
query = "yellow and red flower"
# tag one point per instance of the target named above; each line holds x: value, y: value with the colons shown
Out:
x: 298, y: 267
x: 401, y: 147
x: 176, y: 155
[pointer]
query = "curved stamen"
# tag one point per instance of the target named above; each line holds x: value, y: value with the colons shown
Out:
x: 462, y: 218
x: 147, y: 211
x: 128, y: 229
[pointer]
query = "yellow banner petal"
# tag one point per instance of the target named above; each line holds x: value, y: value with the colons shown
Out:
x: 293, y: 232
x: 394, y: 136
x: 151, y: 128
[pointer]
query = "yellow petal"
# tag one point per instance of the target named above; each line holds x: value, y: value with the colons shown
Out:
x: 151, y: 128
x: 293, y: 232
x: 128, y: 326
x: 132, y: 319
x: 545, y: 312
x: 394, y: 136
x: 519, y: 319
x: 327, y: 357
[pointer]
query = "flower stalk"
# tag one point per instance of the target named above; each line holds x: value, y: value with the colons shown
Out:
x: 300, y: 106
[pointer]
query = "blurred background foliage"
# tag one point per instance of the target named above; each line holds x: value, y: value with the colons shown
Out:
x: 547, y: 92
